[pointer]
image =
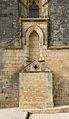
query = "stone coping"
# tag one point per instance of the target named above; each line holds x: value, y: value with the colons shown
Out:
x: 53, y: 110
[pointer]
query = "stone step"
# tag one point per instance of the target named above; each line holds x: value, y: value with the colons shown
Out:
x: 13, y: 114
x: 16, y: 113
x: 53, y: 110
x: 50, y: 116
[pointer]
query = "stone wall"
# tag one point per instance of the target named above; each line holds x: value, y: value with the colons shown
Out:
x: 13, y: 61
x: 59, y: 22
x: 8, y: 22
x: 58, y: 62
x: 58, y: 28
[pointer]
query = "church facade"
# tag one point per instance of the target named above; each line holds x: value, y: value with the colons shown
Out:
x: 34, y: 53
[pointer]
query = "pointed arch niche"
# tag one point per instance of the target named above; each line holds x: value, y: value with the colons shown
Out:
x: 34, y: 43
x: 34, y: 10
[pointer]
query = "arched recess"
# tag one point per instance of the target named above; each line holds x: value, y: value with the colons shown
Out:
x: 34, y: 10
x: 34, y: 51
x: 40, y: 34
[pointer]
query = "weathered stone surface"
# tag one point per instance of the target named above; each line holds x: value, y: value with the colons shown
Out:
x: 35, y: 89
x: 59, y: 22
x: 8, y: 22
x: 12, y: 61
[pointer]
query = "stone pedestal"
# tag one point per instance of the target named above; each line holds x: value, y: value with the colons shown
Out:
x: 35, y: 88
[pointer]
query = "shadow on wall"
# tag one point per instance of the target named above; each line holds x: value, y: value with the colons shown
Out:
x: 2, y: 60
x: 60, y: 90
x: 9, y: 89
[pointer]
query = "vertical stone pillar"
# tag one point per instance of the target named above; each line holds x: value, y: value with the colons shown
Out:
x: 44, y: 8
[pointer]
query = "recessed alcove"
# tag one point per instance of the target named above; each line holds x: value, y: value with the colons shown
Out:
x: 34, y: 37
x: 34, y: 50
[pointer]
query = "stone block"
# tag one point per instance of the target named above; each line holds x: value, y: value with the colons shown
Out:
x: 35, y: 90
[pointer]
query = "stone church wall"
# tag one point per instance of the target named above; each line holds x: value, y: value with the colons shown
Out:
x: 8, y: 23
x: 12, y: 60
x: 59, y: 22
x: 58, y: 62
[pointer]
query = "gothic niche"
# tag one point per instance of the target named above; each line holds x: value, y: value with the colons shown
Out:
x: 34, y: 45
x: 29, y: 9
x: 34, y: 10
